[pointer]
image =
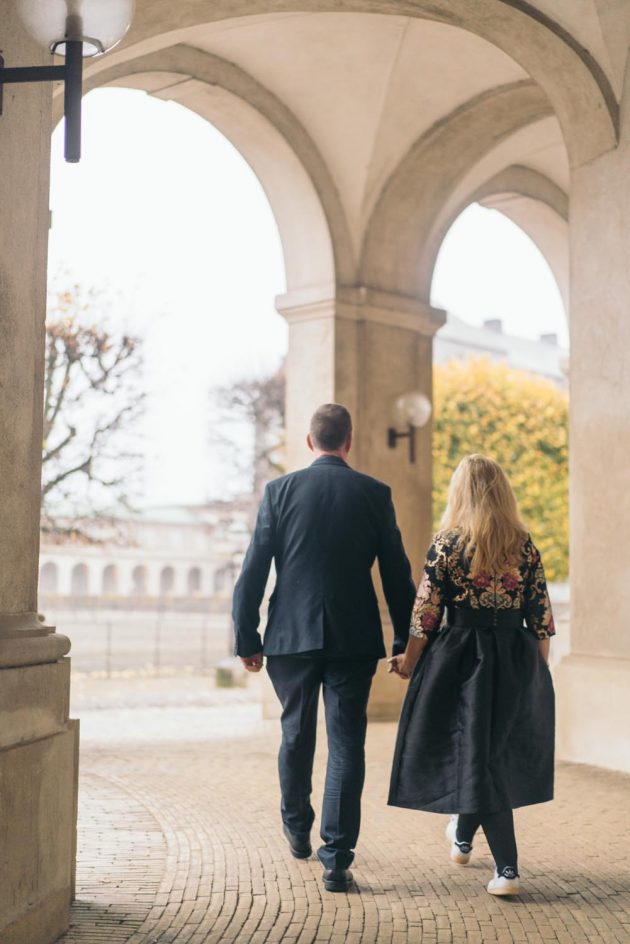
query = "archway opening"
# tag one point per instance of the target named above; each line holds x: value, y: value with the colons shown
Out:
x: 501, y: 366
x: 110, y: 580
x: 194, y: 581
x: 185, y: 255
x: 490, y: 268
x: 79, y: 581
x: 49, y: 578
x: 167, y: 581
x: 139, y: 585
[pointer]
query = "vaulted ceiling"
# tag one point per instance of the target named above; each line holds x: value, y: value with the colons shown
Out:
x: 376, y: 103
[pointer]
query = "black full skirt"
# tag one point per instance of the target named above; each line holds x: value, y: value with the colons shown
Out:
x: 476, y: 732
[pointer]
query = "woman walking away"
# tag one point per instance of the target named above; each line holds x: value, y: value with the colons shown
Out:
x: 476, y: 734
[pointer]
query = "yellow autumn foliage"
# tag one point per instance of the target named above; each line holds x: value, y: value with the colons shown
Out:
x: 519, y: 420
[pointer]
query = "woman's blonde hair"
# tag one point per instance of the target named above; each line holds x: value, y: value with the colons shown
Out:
x: 483, y: 507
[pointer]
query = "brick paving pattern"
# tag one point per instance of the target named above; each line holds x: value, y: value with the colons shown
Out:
x: 180, y: 843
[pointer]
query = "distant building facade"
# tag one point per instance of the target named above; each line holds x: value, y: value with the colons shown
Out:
x: 167, y: 556
x: 458, y: 339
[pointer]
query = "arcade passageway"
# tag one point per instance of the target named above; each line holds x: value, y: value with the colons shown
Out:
x: 180, y: 843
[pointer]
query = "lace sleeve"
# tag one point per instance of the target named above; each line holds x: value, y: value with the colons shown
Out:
x: 430, y: 601
x: 538, y: 614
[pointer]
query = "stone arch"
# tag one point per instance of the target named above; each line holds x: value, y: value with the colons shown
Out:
x: 139, y: 580
x: 109, y: 584
x: 540, y: 208
x: 224, y: 579
x: 407, y: 215
x: 531, y: 200
x: 193, y: 581
x: 49, y: 578
x: 303, y: 197
x: 167, y: 580
x: 79, y: 580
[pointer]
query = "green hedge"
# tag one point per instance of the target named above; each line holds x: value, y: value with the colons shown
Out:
x: 521, y: 421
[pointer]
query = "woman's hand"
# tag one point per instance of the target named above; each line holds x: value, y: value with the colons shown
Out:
x: 402, y: 665
x: 543, y: 648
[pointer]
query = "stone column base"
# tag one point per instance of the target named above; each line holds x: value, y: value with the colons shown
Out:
x: 592, y: 711
x: 38, y: 802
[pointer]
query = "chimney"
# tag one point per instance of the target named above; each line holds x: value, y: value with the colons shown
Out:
x: 551, y: 338
x: 494, y: 324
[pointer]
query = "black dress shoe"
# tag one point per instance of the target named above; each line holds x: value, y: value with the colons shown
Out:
x: 337, y: 880
x: 300, y: 844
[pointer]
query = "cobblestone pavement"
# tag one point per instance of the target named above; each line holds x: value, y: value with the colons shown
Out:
x: 180, y: 843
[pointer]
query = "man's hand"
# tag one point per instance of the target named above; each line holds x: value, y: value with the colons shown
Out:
x: 252, y: 663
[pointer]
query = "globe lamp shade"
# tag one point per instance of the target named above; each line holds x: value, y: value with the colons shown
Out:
x: 98, y: 24
x: 412, y: 409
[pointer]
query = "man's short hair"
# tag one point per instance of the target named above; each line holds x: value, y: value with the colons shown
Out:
x: 331, y: 426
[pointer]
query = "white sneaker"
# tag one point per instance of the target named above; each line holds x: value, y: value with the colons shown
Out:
x: 507, y: 883
x: 460, y: 851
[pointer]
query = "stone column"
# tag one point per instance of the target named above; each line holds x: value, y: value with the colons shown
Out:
x: 593, y: 681
x: 38, y: 744
x: 363, y: 349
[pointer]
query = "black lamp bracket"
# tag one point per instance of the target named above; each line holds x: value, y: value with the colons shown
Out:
x: 393, y: 436
x: 71, y: 74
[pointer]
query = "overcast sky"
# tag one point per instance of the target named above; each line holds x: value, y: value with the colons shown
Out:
x: 166, y: 217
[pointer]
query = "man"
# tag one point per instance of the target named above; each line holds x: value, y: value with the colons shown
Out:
x: 324, y: 527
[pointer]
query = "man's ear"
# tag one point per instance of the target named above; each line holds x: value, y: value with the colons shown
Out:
x: 349, y: 443
x: 309, y: 442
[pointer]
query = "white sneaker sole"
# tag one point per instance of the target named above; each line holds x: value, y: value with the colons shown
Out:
x: 504, y: 890
x: 459, y: 857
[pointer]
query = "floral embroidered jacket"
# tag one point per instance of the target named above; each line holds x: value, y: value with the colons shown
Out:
x: 446, y: 581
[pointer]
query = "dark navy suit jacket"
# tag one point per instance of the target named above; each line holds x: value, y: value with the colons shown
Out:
x: 324, y: 527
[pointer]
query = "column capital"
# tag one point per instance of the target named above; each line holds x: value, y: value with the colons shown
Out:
x: 361, y: 303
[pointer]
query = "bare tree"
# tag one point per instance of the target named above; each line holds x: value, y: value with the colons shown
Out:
x: 92, y: 399
x: 253, y: 409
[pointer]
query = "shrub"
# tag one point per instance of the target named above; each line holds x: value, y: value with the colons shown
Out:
x: 521, y: 421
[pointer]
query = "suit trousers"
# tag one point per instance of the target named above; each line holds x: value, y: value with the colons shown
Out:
x: 346, y: 684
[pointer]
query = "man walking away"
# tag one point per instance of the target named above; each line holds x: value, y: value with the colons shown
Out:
x: 324, y: 527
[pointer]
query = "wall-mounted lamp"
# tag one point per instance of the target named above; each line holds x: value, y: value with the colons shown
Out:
x: 74, y: 29
x: 411, y: 410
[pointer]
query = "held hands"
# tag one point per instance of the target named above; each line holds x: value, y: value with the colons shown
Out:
x: 252, y: 663
x: 402, y: 665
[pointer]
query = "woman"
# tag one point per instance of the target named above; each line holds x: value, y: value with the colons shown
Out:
x: 476, y: 735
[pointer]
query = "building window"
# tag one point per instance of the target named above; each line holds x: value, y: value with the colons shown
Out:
x: 79, y: 583
x: 224, y: 580
x: 194, y: 581
x: 139, y: 581
x: 110, y: 580
x: 167, y: 581
x: 48, y: 578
